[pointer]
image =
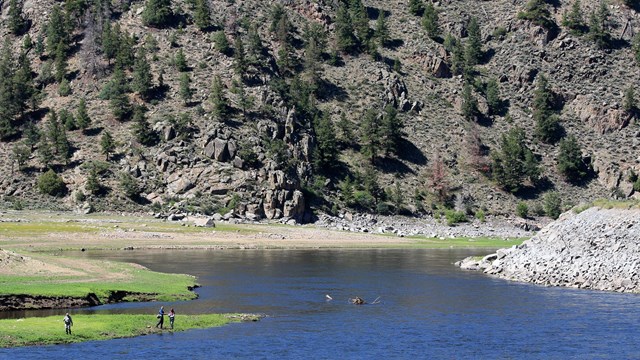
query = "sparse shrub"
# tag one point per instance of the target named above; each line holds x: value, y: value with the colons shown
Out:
x: 129, y: 186
x: 480, y: 215
x: 454, y: 217
x: 552, y: 205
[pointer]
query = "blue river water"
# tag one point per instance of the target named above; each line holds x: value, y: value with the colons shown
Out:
x: 427, y: 309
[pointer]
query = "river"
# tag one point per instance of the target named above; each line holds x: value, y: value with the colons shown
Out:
x: 427, y: 309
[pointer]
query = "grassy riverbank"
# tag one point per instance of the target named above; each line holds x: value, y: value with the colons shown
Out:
x: 50, y: 330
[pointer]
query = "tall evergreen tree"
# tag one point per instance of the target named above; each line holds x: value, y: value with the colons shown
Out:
x: 82, y: 116
x: 254, y: 44
x: 157, y: 13
x: 473, y: 51
x: 17, y: 23
x: 107, y: 144
x: 186, y: 92
x: 548, y: 127
x: 430, y: 21
x: 492, y: 93
x: 141, y: 127
x: 60, y: 62
x: 109, y: 40
x: 469, y: 104
x: 574, y: 20
x: 345, y: 40
x: 416, y: 7
x: 382, y: 29
x: 239, y: 57
x: 142, y: 77
x: 391, y: 130
x: 514, y: 162
x: 217, y: 98
x: 57, y: 30
x: 326, y: 152
x: 202, y: 15
x: 370, y: 135
x: 570, y: 162
x: 360, y: 20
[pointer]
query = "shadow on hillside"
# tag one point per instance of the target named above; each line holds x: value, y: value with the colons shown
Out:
x: 394, y: 44
x: 93, y: 131
x: 330, y: 91
x: 533, y: 192
x: 374, y: 13
x: 393, y: 166
x: 410, y: 152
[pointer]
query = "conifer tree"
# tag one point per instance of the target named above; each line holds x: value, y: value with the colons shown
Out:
x: 346, y: 130
x: 157, y: 13
x: 202, y: 15
x: 597, y: 31
x: 492, y: 92
x: 239, y: 57
x: 430, y: 21
x: 570, y: 162
x: 469, y: 104
x: 473, y: 51
x: 181, y: 61
x: 60, y: 62
x: 141, y: 127
x: 382, y: 30
x: 574, y: 20
x: 186, y: 92
x: 360, y: 20
x: 92, y: 185
x: 17, y: 23
x: 221, y: 43
x: 514, y: 162
x: 326, y: 152
x: 107, y: 144
x: 370, y: 135
x: 548, y: 127
x: 57, y: 30
x: 345, y: 41
x: 312, y: 66
x: 391, y: 130
x: 142, y: 77
x: 217, y: 98
x: 68, y: 120
x: 82, y: 116
x: 119, y: 101
x: 629, y: 103
x: 254, y: 44
x: 416, y: 7
x: 109, y: 40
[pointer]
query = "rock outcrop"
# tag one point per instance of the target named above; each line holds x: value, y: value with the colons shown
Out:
x: 597, y: 249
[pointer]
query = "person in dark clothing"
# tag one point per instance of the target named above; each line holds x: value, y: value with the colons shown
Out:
x: 160, y: 317
x: 68, y: 323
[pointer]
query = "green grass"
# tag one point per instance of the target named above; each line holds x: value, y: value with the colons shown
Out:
x: 460, y: 243
x: 150, y: 284
x: 50, y: 330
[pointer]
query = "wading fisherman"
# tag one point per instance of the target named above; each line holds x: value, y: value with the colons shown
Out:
x: 68, y: 323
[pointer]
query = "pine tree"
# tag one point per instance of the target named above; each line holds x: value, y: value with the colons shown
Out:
x: 548, y: 127
x: 125, y: 56
x: 473, y: 51
x: 57, y: 30
x: 244, y: 101
x: 391, y: 130
x: 597, y: 32
x: 416, y: 7
x: 492, y: 93
x: 142, y: 77
x: 574, y: 20
x: 312, y: 65
x: 430, y: 21
x: 31, y: 135
x: 346, y: 130
x: 68, y: 120
x: 326, y: 152
x: 107, y: 144
x: 221, y: 43
x: 345, y: 41
x: 92, y: 186
x: 202, y: 15
x: 24, y: 91
x: 119, y: 101
x: 181, y: 61
x: 8, y: 105
x: 254, y: 44
x: 142, y: 129
x: 360, y: 20
x: 17, y: 23
x: 629, y: 103
x: 370, y: 135
x: 469, y: 104
x: 537, y: 12
x: 82, y: 116
x: 45, y: 153
x: 60, y: 62
x: 570, y: 162
x: 54, y: 131
x: 382, y: 30
x: 109, y: 39
x: 157, y: 13
x: 239, y: 57
x: 514, y: 162
x: 217, y: 98
x: 186, y: 93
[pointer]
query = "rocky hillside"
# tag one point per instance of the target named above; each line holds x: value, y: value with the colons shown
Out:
x: 596, y: 249
x: 285, y: 109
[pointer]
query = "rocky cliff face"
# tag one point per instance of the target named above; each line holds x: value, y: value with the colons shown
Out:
x: 597, y: 249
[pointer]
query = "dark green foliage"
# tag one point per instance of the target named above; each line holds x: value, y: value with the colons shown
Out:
x: 17, y: 23
x: 180, y: 61
x: 382, y: 30
x: 65, y: 88
x: 239, y: 57
x: 254, y: 44
x: 142, y: 77
x: 283, y: 29
x: 552, y: 204
x: 60, y: 62
x: 221, y: 43
x: 68, y: 120
x: 157, y: 13
x: 93, y: 183
x: 244, y: 101
x: 597, y: 32
x: 57, y: 30
x: 548, y: 127
x: 45, y: 153
x: 20, y: 153
x: 345, y: 126
x: 345, y: 40
x: 142, y: 129
x: 186, y: 92
x: 82, y: 116
x: 391, y: 131
x: 31, y: 135
x: 570, y: 163
x: 430, y: 21
x: 118, y: 99
x: 473, y: 50
x: 454, y: 217
x: 218, y: 99
x: 370, y: 140
x: 276, y: 14
x: 492, y: 93
x: 629, y: 103
x: 202, y: 14
x: 469, y: 104
x: 312, y: 62
x: 107, y: 144
x: 514, y: 162
x: 416, y: 7
x: 360, y: 20
x: 537, y: 11
x: 522, y: 210
x: 52, y: 184
x: 574, y: 19
x: 109, y: 40
x: 325, y: 154
x: 455, y: 48
x: 129, y: 186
